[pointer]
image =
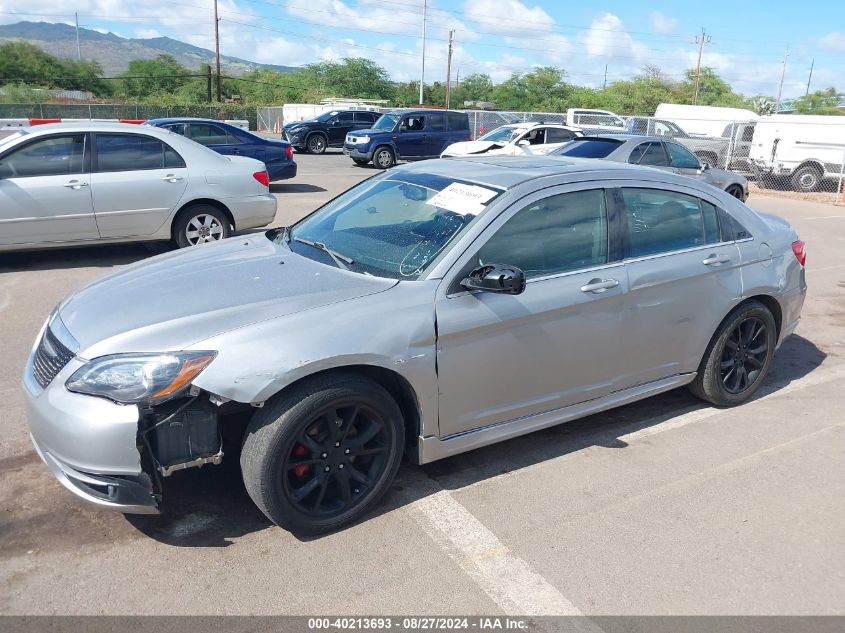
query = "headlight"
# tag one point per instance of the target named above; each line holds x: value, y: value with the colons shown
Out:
x: 139, y: 378
x: 362, y: 140
x: 295, y: 132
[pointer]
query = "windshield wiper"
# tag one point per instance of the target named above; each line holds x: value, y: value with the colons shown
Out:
x: 337, y: 257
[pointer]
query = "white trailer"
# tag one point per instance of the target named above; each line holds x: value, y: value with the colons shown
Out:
x: 806, y: 149
x: 703, y: 120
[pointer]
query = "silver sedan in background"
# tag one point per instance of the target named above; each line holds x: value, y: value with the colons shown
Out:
x: 654, y: 151
x: 435, y: 308
x: 68, y: 184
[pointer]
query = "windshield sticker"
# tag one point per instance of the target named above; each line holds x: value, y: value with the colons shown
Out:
x: 461, y: 198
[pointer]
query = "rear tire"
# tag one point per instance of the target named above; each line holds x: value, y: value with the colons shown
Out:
x: 383, y: 158
x: 321, y: 455
x: 200, y: 223
x: 735, y: 191
x: 807, y: 178
x: 738, y: 356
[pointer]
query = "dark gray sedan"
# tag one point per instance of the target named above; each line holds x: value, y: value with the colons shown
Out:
x: 654, y: 151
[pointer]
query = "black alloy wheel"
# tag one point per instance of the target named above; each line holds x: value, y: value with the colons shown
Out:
x: 744, y: 355
x: 336, y: 460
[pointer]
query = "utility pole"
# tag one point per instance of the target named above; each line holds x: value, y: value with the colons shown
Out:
x: 810, y: 78
x: 422, y: 68
x: 605, y: 77
x: 78, y: 49
x: 208, y: 81
x: 217, y: 50
x: 782, y: 76
x: 449, y: 71
x: 701, y: 40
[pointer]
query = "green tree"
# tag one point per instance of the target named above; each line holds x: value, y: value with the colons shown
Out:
x: 541, y: 89
x: 476, y: 87
x: 761, y: 104
x: 152, y: 77
x: 351, y: 77
x: 26, y: 64
x: 819, y: 102
x: 712, y: 90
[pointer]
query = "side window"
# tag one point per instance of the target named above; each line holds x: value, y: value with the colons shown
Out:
x: 664, y: 221
x: 178, y: 128
x: 554, y: 235
x: 128, y: 152
x: 54, y: 156
x: 207, y: 134
x: 458, y: 122
x: 648, y: 154
x: 363, y: 117
x: 557, y: 135
x: 345, y: 117
x: 414, y: 123
x: 681, y: 157
x: 731, y: 228
x: 172, y: 157
x: 537, y: 136
x: 712, y: 234
x: 436, y: 123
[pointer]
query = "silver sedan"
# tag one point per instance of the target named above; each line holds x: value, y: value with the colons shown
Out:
x: 655, y: 151
x: 430, y: 310
x: 70, y: 184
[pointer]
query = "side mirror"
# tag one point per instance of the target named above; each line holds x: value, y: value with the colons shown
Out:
x: 500, y: 278
x: 524, y: 143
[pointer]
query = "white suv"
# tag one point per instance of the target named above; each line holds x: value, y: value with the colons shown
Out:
x: 516, y: 139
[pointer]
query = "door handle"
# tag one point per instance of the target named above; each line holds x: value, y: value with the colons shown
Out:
x: 715, y: 260
x: 236, y: 151
x: 76, y: 184
x: 597, y: 286
x: 172, y: 178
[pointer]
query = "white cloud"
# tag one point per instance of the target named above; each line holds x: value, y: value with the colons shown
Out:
x: 662, y: 23
x: 606, y: 38
x: 507, y: 17
x: 147, y: 33
x: 834, y: 42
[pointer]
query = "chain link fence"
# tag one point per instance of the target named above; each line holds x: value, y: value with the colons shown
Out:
x: 124, y: 111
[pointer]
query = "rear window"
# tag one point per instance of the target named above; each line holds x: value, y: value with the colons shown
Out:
x: 458, y: 121
x: 589, y: 148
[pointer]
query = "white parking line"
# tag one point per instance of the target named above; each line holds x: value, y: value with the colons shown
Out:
x: 818, y: 377
x: 507, y: 579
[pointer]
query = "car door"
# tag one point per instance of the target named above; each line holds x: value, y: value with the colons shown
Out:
x: 502, y: 357
x: 437, y: 138
x: 243, y: 143
x: 362, y: 120
x: 555, y: 137
x: 45, y: 193
x: 137, y: 182
x: 686, y: 163
x: 339, y: 126
x: 683, y: 279
x: 410, y: 139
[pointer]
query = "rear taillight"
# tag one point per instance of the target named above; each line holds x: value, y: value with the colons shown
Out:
x: 263, y: 177
x: 289, y: 152
x: 800, y: 250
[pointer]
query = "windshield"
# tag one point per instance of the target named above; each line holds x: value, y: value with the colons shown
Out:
x: 589, y: 148
x: 326, y: 116
x: 501, y: 134
x: 391, y: 226
x: 386, y: 122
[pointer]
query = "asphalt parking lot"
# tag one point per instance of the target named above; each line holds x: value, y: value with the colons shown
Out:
x: 666, y: 506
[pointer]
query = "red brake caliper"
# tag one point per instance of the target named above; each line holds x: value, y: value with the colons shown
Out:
x: 300, y: 451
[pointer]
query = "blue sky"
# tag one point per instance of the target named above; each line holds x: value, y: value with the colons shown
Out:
x: 747, y: 40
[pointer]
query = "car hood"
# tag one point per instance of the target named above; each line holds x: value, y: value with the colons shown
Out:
x: 292, y: 126
x: 173, y: 301
x: 467, y: 148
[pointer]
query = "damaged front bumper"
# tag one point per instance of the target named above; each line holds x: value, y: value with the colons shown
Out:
x: 89, y: 444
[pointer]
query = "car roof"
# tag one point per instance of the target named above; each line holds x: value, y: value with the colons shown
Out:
x: 95, y: 126
x: 187, y: 119
x: 623, y: 137
x: 423, y: 111
x: 508, y: 171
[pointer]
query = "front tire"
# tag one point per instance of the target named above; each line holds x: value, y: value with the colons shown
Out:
x: 200, y: 223
x: 735, y: 191
x: 360, y: 161
x: 318, y: 457
x: 316, y: 144
x: 738, y: 357
x: 383, y: 158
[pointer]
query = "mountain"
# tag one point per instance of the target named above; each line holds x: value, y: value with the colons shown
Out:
x: 114, y: 52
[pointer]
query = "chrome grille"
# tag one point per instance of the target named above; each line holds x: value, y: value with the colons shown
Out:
x: 50, y: 357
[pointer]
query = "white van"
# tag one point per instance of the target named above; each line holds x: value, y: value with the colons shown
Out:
x: 703, y: 120
x: 805, y: 148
